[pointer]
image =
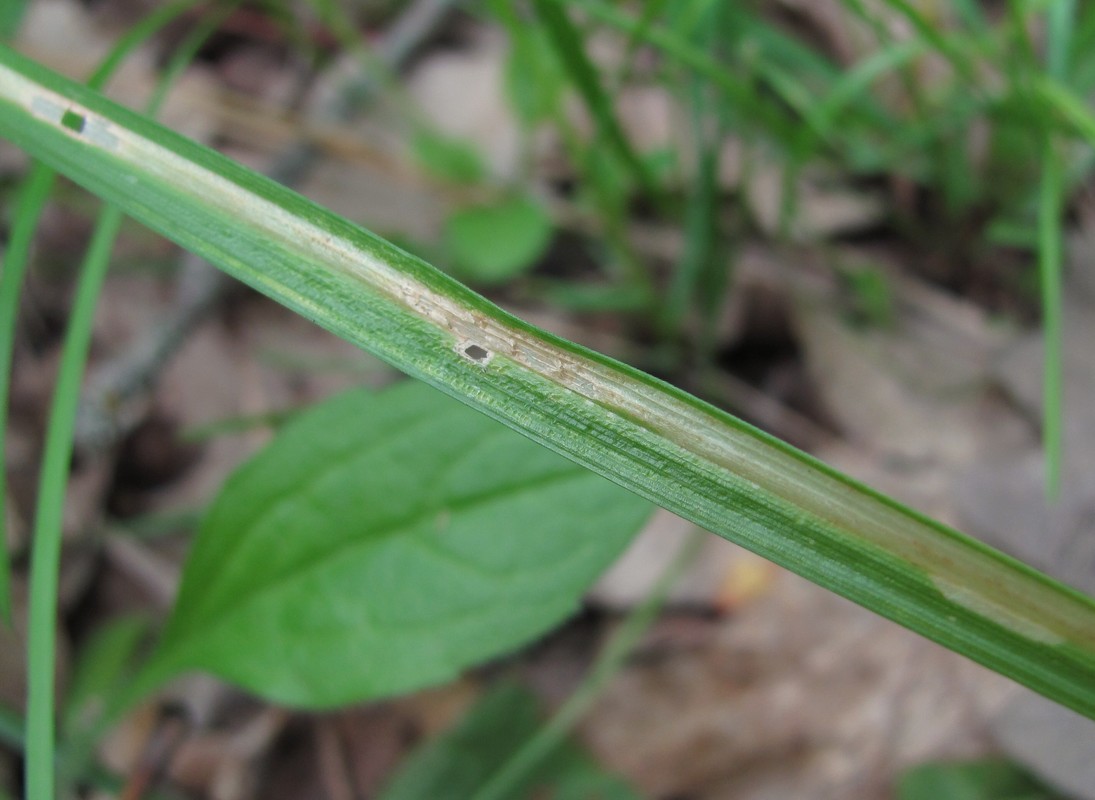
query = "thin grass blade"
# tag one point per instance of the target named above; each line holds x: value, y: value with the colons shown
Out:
x: 1050, y: 210
x: 11, y: 14
x: 33, y: 197
x: 568, y: 45
x: 53, y: 483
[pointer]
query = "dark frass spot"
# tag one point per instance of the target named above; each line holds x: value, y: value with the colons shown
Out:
x: 476, y: 353
x: 73, y: 121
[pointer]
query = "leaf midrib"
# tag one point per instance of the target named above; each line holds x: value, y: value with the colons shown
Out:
x: 214, y: 614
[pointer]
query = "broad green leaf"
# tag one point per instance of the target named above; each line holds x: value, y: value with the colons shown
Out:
x: 382, y: 543
x: 447, y: 158
x: 494, y: 243
x: 650, y: 437
x: 463, y: 760
x: 992, y: 779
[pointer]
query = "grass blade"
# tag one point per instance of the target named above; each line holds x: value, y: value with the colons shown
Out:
x: 508, y: 777
x: 11, y: 14
x: 568, y: 45
x: 1061, y: 16
x: 32, y: 200
x: 738, y: 90
x: 701, y: 215
x: 930, y: 32
x: 49, y: 509
x: 33, y: 197
x: 1061, y: 100
x: 1050, y: 209
x: 650, y: 437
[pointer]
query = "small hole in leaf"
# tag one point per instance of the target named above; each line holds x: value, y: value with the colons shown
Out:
x: 476, y: 353
x: 73, y: 121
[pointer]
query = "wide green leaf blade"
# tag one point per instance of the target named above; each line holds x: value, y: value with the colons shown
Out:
x: 382, y: 543
x: 654, y: 439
